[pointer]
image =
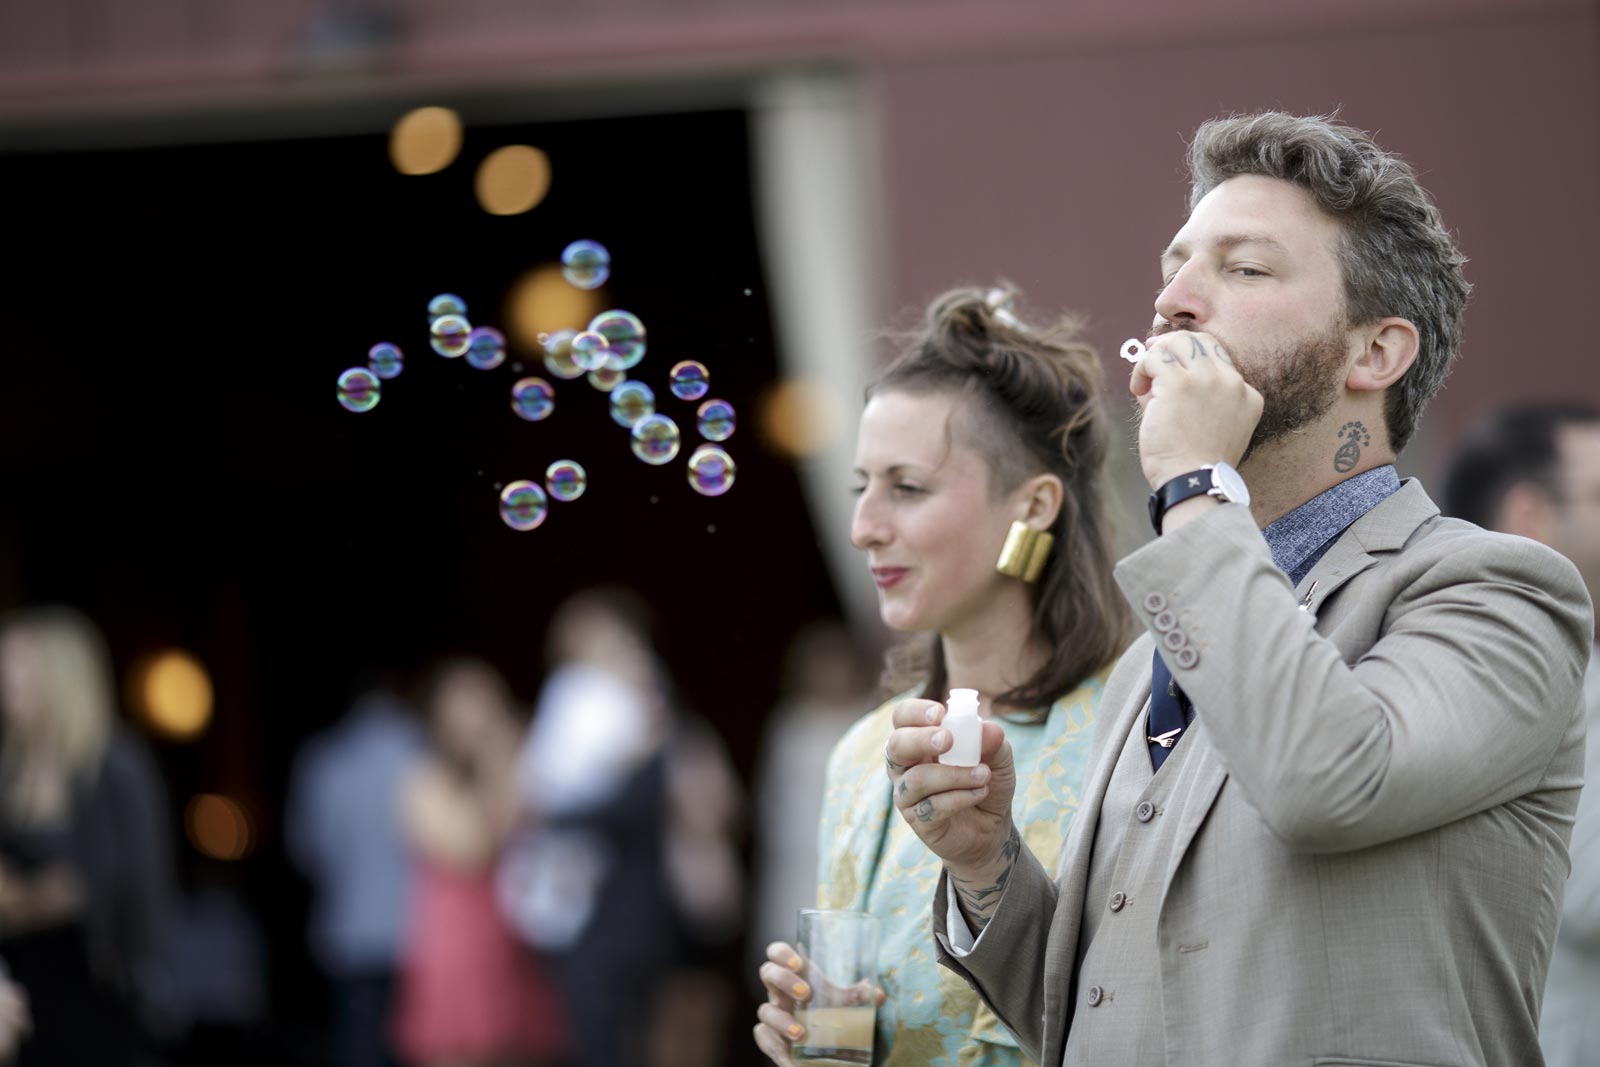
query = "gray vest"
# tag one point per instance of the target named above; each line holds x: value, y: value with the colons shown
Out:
x: 1117, y: 1016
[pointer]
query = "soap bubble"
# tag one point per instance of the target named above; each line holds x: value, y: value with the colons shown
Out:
x: 632, y: 401
x: 451, y: 334
x: 566, y: 479
x: 385, y: 360
x: 606, y: 379
x: 523, y: 505
x: 625, y: 333
x: 558, y: 355
x: 710, y: 471
x: 533, y: 399
x: 591, y: 350
x: 690, y: 380
x: 358, y: 389
x: 486, y: 347
x: 586, y: 264
x: 716, y: 420
x: 656, y: 439
x: 446, y: 304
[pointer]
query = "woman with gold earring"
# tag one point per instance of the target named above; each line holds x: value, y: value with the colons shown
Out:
x: 979, y: 469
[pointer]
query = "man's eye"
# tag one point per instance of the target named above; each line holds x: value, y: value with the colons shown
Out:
x: 902, y: 487
x: 1250, y: 272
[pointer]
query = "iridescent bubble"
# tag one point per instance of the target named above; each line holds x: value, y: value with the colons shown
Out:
x: 710, y: 471
x: 690, y: 380
x: 656, y: 440
x: 606, y: 379
x: 533, y: 399
x: 451, y: 334
x: 716, y: 420
x: 523, y: 505
x: 558, y: 359
x: 586, y: 264
x: 590, y: 350
x: 632, y: 401
x: 385, y: 360
x: 566, y: 480
x: 358, y: 389
x: 446, y: 304
x: 486, y: 347
x: 625, y: 333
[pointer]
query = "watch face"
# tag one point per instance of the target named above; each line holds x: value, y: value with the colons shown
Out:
x: 1225, y: 478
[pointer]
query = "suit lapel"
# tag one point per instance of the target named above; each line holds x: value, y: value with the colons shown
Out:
x: 1205, y: 770
x: 1385, y: 528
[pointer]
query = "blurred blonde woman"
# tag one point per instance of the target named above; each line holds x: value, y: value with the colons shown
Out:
x: 86, y: 864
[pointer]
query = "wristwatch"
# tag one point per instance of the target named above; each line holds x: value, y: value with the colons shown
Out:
x: 1214, y: 479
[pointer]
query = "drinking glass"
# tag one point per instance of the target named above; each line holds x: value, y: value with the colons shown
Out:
x: 840, y: 953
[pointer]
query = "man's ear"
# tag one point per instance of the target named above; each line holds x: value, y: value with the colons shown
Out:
x: 1389, y: 349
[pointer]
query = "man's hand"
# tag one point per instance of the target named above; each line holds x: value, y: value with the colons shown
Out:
x: 1197, y: 408
x: 963, y: 814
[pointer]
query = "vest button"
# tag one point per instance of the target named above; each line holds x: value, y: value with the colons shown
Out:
x: 1118, y: 900
x: 1145, y: 811
x: 1095, y: 996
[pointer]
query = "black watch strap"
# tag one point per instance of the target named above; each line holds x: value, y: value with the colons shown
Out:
x: 1179, y: 489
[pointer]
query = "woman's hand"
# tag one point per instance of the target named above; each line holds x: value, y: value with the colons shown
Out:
x: 783, y: 975
x: 786, y: 976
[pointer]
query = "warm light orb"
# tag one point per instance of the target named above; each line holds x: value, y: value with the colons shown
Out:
x: 218, y: 827
x: 425, y: 141
x: 800, y: 418
x: 175, y: 695
x: 542, y: 301
x: 513, y: 179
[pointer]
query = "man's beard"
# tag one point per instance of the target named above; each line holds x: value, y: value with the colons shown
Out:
x: 1297, y: 385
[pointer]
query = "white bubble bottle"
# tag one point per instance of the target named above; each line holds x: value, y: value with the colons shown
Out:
x: 966, y: 729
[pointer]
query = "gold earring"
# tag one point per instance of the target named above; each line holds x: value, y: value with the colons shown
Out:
x: 1025, y: 552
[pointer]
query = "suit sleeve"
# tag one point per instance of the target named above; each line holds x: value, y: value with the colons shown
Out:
x: 1007, y: 965
x: 1459, y: 706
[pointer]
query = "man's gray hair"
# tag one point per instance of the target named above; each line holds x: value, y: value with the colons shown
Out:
x: 1395, y: 253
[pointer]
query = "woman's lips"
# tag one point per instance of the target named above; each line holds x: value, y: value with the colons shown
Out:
x: 888, y: 576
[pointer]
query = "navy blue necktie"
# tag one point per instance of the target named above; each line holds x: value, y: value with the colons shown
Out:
x: 1170, y: 712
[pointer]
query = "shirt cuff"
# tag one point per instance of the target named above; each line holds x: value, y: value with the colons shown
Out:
x: 957, y: 932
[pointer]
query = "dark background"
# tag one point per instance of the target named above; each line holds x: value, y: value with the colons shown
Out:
x: 174, y: 461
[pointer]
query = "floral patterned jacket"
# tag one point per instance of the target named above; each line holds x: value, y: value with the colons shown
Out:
x: 872, y: 861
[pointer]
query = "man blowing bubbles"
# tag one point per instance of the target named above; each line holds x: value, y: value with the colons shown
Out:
x: 1328, y: 804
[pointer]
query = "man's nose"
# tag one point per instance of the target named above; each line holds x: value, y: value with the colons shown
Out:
x: 1184, y: 301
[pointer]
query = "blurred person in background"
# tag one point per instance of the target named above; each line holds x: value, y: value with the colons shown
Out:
x: 625, y: 870
x: 86, y: 864
x: 342, y: 827
x: 826, y: 683
x: 982, y: 437
x: 1534, y: 471
x: 470, y: 995
x: 16, y: 1022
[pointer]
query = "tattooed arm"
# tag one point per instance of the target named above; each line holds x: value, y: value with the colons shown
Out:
x: 979, y: 893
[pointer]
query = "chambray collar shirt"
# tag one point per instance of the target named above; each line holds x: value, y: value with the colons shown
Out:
x: 1304, y: 535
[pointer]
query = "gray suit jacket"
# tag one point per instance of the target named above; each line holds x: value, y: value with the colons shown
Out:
x: 1371, y: 865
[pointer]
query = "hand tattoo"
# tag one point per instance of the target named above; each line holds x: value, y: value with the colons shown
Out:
x: 925, y: 810
x: 978, y: 902
x: 1349, y: 453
